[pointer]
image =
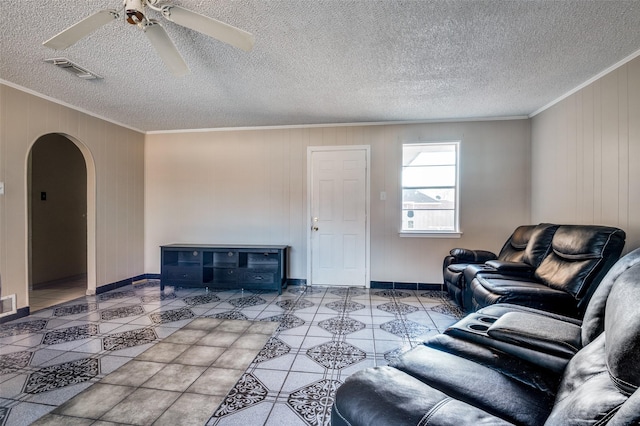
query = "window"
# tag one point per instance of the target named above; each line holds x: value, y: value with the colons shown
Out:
x: 430, y: 187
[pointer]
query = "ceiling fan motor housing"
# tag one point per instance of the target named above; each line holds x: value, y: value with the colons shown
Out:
x: 135, y: 11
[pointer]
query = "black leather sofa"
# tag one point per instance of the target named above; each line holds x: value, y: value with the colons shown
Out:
x: 452, y: 380
x: 559, y: 269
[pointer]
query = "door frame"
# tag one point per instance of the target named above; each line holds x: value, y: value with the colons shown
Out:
x: 308, y: 220
x: 92, y: 275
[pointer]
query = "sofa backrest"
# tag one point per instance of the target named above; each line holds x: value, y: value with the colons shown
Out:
x: 539, y: 245
x: 593, y: 321
x: 600, y: 378
x: 581, y: 255
x: 513, y: 249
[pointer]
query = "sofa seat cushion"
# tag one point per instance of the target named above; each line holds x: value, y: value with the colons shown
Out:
x: 383, y: 396
x: 489, y: 290
x: 490, y: 389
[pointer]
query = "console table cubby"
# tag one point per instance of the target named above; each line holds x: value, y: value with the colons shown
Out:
x: 260, y: 267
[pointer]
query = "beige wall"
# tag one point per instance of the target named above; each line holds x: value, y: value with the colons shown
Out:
x: 585, y: 166
x: 249, y: 187
x: 118, y: 155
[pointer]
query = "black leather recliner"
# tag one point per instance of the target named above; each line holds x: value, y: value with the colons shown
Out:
x: 565, y: 279
x: 459, y: 258
x: 452, y: 381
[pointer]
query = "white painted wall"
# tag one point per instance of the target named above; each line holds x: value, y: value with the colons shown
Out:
x: 249, y: 187
x: 119, y: 185
x: 585, y: 152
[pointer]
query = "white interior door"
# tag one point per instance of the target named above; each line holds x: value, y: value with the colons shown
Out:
x: 338, y: 228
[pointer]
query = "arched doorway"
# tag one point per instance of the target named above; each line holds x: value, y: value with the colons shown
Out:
x: 60, y: 207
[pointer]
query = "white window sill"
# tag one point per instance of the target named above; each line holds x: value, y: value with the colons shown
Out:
x: 415, y: 234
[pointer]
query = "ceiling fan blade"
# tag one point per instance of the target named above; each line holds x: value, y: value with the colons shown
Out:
x: 209, y: 26
x: 166, y: 49
x: 81, y: 29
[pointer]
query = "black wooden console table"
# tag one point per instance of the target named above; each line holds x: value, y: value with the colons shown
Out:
x: 262, y: 267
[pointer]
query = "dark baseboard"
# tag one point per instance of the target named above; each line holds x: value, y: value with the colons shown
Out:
x: 393, y: 285
x: 20, y: 313
x: 118, y: 284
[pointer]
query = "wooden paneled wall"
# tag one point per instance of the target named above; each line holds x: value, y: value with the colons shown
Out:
x: 116, y: 157
x: 586, y: 148
x: 250, y: 187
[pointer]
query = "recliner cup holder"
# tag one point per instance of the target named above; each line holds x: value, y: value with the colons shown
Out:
x: 488, y: 320
x: 478, y: 327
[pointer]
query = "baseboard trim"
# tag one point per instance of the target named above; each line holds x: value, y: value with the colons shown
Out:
x: 20, y: 313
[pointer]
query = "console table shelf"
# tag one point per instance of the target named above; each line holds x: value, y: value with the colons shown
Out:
x: 260, y: 267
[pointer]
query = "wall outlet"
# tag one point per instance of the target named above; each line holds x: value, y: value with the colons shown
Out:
x: 1, y: 188
x: 383, y: 196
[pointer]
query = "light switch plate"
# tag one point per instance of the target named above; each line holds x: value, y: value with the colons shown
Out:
x: 1, y: 188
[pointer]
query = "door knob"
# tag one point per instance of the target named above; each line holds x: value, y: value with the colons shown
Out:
x: 314, y: 228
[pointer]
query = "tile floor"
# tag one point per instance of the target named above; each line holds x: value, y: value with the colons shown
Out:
x: 323, y: 335
x: 55, y: 292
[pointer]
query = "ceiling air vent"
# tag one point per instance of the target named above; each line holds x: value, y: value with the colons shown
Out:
x: 75, y: 69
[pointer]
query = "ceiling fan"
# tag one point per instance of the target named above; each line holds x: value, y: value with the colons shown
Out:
x: 135, y: 12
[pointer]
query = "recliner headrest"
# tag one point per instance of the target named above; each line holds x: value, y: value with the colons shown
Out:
x: 520, y: 237
x: 622, y: 331
x: 582, y: 242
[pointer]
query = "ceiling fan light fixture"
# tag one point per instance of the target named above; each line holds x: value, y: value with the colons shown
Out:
x: 134, y: 11
x: 73, y: 68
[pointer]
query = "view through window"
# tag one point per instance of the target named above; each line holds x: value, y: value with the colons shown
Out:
x: 430, y: 187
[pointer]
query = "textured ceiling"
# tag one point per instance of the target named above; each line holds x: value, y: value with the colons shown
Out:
x: 318, y: 62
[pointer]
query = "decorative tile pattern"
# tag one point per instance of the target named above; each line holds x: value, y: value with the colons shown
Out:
x: 261, y: 388
x: 348, y: 291
x: 341, y: 325
x: 313, y: 402
x: 121, y: 312
x: 114, y: 295
x: 172, y: 315
x: 434, y: 294
x: 405, y: 328
x: 14, y: 361
x: 306, y: 290
x: 247, y: 392
x: 293, y: 305
x: 398, y: 294
x: 336, y: 354
x: 80, y: 308
x: 345, y: 306
x: 448, y: 309
x: 22, y: 328
x: 392, y: 355
x: 397, y: 308
x: 243, y: 302
x: 152, y: 298
x: 70, y: 334
x: 287, y: 321
x: 235, y: 315
x: 201, y: 300
x: 57, y: 376
x: 273, y: 349
x: 129, y: 339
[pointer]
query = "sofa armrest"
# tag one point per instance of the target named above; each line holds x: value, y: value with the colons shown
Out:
x: 511, y: 268
x: 537, y: 332
x: 463, y: 255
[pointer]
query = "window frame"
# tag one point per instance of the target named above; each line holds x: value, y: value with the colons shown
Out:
x: 456, y: 232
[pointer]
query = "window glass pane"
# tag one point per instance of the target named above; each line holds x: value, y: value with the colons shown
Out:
x: 427, y: 155
x: 429, y: 176
x: 429, y: 187
x: 428, y: 220
x: 429, y: 199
